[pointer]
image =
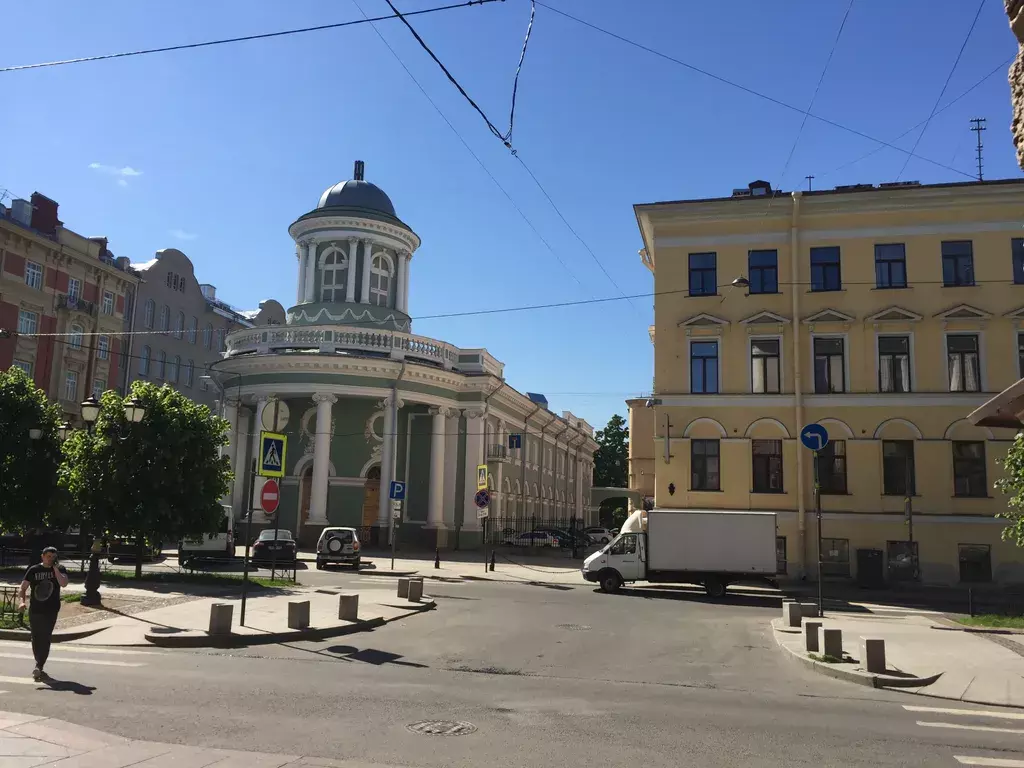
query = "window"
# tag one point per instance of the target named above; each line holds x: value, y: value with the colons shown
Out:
x: 22, y: 365
x: 835, y: 557
x: 825, y: 272
x: 764, y: 366
x: 71, y: 386
x: 33, y: 275
x: 103, y: 347
x: 181, y: 285
x: 832, y: 468
x: 179, y: 325
x: 165, y: 318
x: 107, y: 306
x: 334, y: 276
x: 624, y: 545
x: 703, y: 274
x: 75, y: 340
x: 28, y: 322
x: 150, y: 313
x: 829, y: 365
x: 189, y: 368
x: 975, y: 563
x: 169, y: 276
x: 704, y: 367
x: 144, y: 361
x: 380, y: 282
x: 969, y: 469
x: 898, y: 468
x: 957, y: 263
x: 193, y: 329
x: 172, y: 369
x: 704, y: 466
x: 893, y: 363
x: 891, y: 265
x: 763, y: 271
x: 221, y: 334
x: 902, y: 560
x: 99, y: 386
x: 207, y: 335
x: 74, y: 288
x: 161, y: 364
x: 780, y: 554
x: 964, y: 363
x: 767, y: 460
x: 1017, y: 251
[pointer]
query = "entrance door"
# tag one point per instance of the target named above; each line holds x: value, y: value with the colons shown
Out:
x: 371, y: 497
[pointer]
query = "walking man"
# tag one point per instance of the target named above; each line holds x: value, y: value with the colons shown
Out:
x: 45, y: 579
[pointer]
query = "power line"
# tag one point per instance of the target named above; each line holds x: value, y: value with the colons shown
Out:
x: 745, y: 89
x: 942, y: 93
x: 244, y: 38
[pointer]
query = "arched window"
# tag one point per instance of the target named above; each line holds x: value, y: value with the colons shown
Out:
x: 208, y: 336
x: 172, y: 369
x: 150, y: 313
x: 380, y: 281
x: 179, y: 325
x: 76, y: 336
x: 161, y: 363
x: 165, y: 318
x: 334, y: 275
x: 189, y: 367
x: 193, y: 330
x: 144, y: 361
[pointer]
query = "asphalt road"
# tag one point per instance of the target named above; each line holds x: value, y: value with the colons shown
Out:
x: 547, y: 675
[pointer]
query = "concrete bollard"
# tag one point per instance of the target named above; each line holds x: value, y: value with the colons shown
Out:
x: 220, y: 618
x: 403, y: 587
x: 811, y: 636
x: 809, y: 610
x: 415, y: 590
x: 791, y: 614
x: 348, y: 607
x: 298, y: 614
x: 872, y: 654
x: 830, y: 642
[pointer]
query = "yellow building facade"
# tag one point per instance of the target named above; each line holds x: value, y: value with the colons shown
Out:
x: 885, y: 314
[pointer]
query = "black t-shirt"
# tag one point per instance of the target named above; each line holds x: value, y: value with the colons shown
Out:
x: 45, y: 589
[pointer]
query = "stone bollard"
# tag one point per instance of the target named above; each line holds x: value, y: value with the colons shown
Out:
x: 872, y: 654
x: 298, y: 614
x: 830, y: 642
x: 403, y: 587
x: 415, y: 590
x: 220, y: 618
x: 791, y: 614
x: 811, y: 636
x: 348, y: 607
x: 809, y: 610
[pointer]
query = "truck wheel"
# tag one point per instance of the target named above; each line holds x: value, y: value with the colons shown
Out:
x: 715, y: 588
x: 610, y: 581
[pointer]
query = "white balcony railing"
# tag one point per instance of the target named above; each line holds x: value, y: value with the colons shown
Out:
x: 497, y: 453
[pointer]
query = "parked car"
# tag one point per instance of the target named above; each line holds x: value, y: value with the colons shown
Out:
x: 566, y: 539
x: 338, y: 545
x: 275, y: 546
x: 531, y: 539
x: 600, y: 535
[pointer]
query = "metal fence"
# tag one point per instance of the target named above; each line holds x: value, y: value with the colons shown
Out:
x: 535, y: 534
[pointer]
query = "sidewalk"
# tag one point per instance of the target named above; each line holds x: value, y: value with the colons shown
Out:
x: 508, y: 567
x: 971, y: 667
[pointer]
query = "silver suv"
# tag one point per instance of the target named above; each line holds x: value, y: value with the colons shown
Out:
x: 338, y: 545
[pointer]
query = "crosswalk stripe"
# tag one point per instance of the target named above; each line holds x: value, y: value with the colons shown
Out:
x: 966, y: 712
x: 18, y: 680
x: 98, y: 662
x: 82, y: 649
x: 964, y: 727
x: 992, y: 762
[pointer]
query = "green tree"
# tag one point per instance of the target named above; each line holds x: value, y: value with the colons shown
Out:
x: 611, y: 459
x: 28, y: 467
x: 1012, y: 484
x: 159, y: 479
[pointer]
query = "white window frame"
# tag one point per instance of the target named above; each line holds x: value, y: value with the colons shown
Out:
x: 717, y: 338
x: 173, y: 369
x: 36, y: 271
x: 28, y: 321
x: 23, y: 365
x: 103, y: 347
x: 179, y: 325
x: 69, y: 377
x: 99, y: 386
x: 339, y: 273
x: 208, y: 336
x: 108, y: 303
x: 74, y: 288
x: 193, y: 330
x: 165, y: 318
x: 982, y: 359
x: 387, y: 269
x: 161, y: 365
x: 76, y: 336
x: 750, y: 361
x: 149, y: 313
x: 145, y: 357
x: 845, y: 336
x: 913, y: 362
x: 189, y: 369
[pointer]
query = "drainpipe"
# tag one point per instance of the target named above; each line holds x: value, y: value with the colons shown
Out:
x: 393, y: 459
x: 794, y: 289
x: 522, y: 461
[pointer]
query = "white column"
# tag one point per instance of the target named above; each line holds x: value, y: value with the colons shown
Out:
x: 405, y: 282
x: 229, y: 450
x: 321, y: 459
x: 435, y: 501
x: 474, y: 457
x: 300, y: 288
x: 387, y: 461
x: 240, y: 464
x: 364, y: 295
x: 310, y: 270
x: 350, y: 273
x: 402, y: 293
x: 261, y: 405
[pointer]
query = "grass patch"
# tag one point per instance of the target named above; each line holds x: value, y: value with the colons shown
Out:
x: 992, y: 620
x: 72, y: 597
x: 825, y: 658
x: 10, y: 621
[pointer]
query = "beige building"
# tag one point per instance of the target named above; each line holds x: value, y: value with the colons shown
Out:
x: 886, y: 314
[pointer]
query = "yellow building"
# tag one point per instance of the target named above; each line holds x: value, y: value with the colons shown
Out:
x: 886, y: 314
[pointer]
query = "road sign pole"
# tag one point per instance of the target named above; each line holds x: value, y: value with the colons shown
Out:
x: 248, y: 538
x: 393, y: 537
x: 817, y: 510
x: 484, y: 533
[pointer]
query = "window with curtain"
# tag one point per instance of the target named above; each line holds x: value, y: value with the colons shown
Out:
x: 829, y: 365
x: 962, y: 352
x: 334, y: 276
x: 764, y: 366
x: 144, y: 356
x: 893, y: 363
x: 380, y: 281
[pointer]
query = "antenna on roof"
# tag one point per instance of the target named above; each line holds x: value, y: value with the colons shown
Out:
x: 357, y: 173
x: 979, y: 126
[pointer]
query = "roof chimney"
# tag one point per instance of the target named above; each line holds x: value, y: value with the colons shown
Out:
x: 357, y: 174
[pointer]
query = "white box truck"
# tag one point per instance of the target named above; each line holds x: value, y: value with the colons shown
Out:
x: 713, y: 548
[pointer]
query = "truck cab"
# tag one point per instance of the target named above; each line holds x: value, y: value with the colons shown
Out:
x: 623, y: 559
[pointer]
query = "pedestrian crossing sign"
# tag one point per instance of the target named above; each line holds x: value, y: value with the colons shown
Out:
x: 272, y: 452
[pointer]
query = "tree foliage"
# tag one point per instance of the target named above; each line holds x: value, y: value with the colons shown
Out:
x: 1012, y: 484
x: 159, y: 479
x: 28, y: 468
x: 611, y: 459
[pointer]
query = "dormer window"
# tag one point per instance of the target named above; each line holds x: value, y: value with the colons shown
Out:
x: 380, y: 281
x: 334, y: 276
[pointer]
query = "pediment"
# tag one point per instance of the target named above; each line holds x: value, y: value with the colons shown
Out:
x: 1016, y: 314
x: 703, y: 319
x: 963, y: 312
x: 894, y: 315
x: 765, y: 318
x: 829, y: 316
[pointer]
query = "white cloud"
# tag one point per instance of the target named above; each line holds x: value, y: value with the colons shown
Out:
x: 181, y: 234
x: 113, y: 170
x: 122, y: 183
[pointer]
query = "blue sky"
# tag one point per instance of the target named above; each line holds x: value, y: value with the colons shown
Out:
x: 228, y: 145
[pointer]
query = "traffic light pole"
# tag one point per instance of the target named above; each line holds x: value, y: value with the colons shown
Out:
x: 248, y: 538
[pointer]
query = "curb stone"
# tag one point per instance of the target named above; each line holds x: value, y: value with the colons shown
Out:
x: 25, y: 635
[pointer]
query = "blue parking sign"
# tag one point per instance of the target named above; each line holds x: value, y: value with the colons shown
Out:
x: 397, y: 491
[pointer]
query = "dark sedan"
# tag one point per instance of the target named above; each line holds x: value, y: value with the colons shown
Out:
x: 276, y: 546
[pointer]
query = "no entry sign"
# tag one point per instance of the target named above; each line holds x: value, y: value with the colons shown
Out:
x: 270, y: 496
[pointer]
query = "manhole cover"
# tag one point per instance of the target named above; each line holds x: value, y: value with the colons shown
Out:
x: 442, y: 727
x: 574, y: 627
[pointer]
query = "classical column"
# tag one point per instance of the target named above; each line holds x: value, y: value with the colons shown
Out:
x: 364, y: 295
x: 387, y: 459
x: 310, y: 270
x: 300, y: 288
x: 350, y: 273
x: 401, y: 270
x: 321, y: 459
x: 435, y: 501
x: 229, y: 450
x: 405, y: 282
x: 474, y: 457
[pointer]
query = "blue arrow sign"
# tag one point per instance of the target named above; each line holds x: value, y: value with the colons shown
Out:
x: 397, y: 490
x: 814, y: 437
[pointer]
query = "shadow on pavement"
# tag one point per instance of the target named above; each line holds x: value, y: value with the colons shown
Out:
x: 371, y: 656
x: 67, y: 686
x: 734, y: 597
